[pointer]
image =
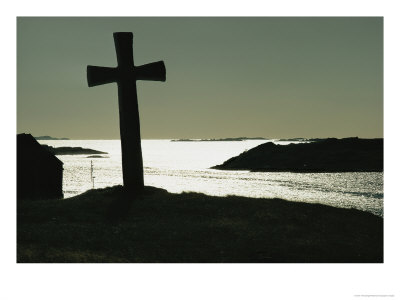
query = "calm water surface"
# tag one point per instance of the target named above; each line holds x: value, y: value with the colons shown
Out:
x: 184, y: 166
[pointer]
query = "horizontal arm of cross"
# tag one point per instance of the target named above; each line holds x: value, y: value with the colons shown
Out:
x: 101, y: 75
x: 153, y: 71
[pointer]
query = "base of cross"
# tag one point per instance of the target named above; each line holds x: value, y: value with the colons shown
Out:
x: 133, y: 191
x: 121, y: 205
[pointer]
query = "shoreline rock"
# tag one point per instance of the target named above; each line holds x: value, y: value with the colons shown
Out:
x: 327, y: 155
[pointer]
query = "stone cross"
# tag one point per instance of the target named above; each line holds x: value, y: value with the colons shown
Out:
x: 125, y: 75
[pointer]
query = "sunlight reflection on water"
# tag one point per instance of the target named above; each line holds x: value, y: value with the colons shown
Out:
x: 184, y: 166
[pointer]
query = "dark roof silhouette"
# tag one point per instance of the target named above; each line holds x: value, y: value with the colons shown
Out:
x: 26, y: 143
x: 39, y: 172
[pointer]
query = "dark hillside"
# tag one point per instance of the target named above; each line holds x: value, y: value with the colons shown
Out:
x: 190, y: 227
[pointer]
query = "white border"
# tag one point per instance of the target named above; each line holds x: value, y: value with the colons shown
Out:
x: 210, y: 281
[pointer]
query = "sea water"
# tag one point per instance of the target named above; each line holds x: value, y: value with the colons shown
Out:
x: 185, y: 167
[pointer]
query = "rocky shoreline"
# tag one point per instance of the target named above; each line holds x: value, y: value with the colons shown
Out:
x: 325, y: 155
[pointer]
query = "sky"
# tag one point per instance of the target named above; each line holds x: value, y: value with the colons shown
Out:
x: 272, y: 77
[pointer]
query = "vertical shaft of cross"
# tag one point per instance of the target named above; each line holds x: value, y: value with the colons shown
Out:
x: 131, y: 150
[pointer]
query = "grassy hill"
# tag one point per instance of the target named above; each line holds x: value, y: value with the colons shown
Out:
x: 105, y: 226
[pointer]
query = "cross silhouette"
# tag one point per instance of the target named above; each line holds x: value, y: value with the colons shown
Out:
x: 125, y: 75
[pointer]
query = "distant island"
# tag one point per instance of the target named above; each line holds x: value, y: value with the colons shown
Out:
x: 301, y: 140
x: 71, y: 150
x: 238, y: 139
x: 324, y: 155
x: 96, y: 156
x: 47, y: 138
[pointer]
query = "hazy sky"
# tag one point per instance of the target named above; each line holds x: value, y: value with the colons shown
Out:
x: 226, y: 77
